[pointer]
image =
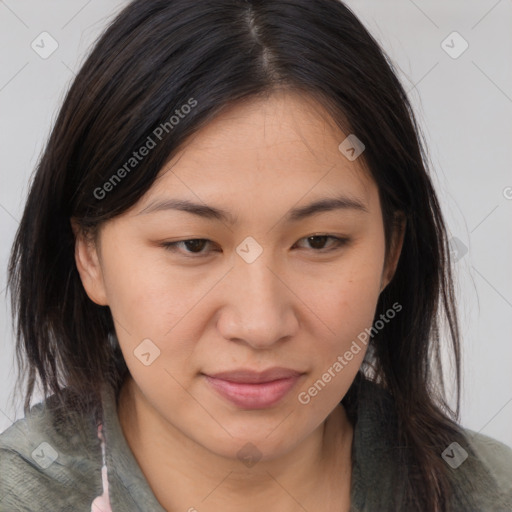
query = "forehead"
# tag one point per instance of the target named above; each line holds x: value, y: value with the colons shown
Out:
x: 282, y: 148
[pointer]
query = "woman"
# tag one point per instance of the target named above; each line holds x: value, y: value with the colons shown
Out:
x: 230, y: 276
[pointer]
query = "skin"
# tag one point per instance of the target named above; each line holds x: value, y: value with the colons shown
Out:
x: 297, y: 305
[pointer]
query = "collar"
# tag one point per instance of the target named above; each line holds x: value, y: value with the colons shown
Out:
x: 128, y: 487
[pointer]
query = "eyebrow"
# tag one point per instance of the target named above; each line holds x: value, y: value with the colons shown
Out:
x: 294, y: 215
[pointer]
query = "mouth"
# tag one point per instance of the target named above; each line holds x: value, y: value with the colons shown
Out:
x: 254, y: 390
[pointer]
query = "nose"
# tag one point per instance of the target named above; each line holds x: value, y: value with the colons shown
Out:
x: 261, y: 308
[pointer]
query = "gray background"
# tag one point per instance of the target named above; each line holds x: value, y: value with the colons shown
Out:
x: 464, y: 106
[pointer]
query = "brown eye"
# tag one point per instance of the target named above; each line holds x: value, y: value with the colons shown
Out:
x: 318, y: 242
x: 192, y: 246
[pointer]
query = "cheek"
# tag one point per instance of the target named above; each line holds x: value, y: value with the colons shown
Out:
x: 345, y: 305
x: 147, y: 303
x: 349, y: 313
x: 346, y: 300
x: 144, y: 292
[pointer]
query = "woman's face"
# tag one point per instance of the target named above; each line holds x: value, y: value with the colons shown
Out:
x: 256, y: 293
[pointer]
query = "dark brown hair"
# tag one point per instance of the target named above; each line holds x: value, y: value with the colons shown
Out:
x: 156, y: 56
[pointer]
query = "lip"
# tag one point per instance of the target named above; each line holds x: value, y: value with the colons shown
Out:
x: 247, y: 376
x: 249, y: 389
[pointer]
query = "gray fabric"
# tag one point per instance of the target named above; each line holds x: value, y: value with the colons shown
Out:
x: 483, y: 482
x: 73, y: 479
x: 65, y: 485
x: 129, y: 489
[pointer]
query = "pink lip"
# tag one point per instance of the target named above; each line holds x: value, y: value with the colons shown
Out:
x: 253, y: 390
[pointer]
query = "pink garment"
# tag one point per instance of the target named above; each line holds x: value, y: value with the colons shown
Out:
x: 102, y: 503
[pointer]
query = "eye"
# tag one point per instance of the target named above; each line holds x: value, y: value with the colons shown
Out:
x: 195, y: 245
x: 193, y: 248
x: 318, y: 242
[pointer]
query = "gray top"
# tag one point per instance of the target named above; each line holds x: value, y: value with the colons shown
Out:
x: 48, y: 463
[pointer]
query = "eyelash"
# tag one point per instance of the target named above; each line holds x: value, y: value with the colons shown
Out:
x: 173, y: 246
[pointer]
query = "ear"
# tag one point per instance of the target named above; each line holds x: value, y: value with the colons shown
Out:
x: 88, y: 265
x: 397, y: 240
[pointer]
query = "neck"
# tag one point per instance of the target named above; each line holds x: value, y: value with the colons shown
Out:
x: 183, y: 474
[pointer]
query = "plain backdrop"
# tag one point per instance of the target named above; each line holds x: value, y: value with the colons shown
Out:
x: 463, y: 100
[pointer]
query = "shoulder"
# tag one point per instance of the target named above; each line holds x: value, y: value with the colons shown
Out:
x: 482, y: 468
x: 49, y: 460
